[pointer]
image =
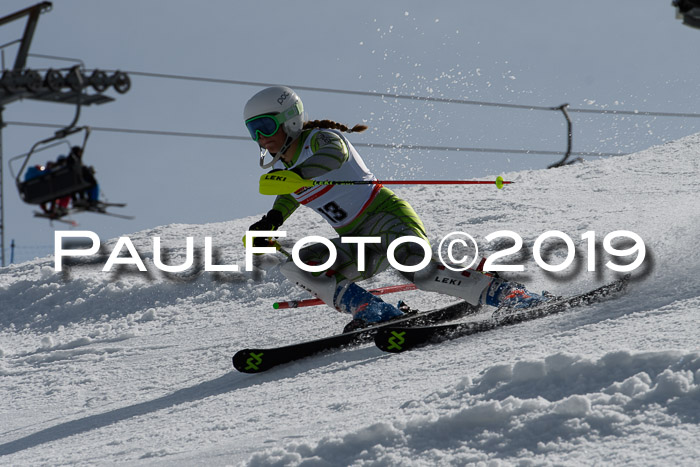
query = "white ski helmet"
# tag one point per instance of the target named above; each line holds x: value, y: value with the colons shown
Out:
x: 284, y: 108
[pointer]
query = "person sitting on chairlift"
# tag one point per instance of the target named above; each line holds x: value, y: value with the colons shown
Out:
x: 91, y: 195
x: 59, y: 206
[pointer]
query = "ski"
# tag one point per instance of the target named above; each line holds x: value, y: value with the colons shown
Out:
x: 262, y: 359
x: 99, y: 208
x: 100, y: 204
x: 54, y: 218
x: 113, y: 214
x: 396, y: 338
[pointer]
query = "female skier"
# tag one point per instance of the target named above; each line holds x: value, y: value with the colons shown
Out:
x: 319, y: 150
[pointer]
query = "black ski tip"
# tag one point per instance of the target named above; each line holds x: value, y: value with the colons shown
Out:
x: 390, y: 340
x: 249, y: 361
x: 397, y: 339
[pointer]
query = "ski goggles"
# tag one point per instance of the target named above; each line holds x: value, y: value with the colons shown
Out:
x: 269, y: 124
x: 265, y: 125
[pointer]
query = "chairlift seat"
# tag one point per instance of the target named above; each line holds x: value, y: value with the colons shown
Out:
x: 58, y: 182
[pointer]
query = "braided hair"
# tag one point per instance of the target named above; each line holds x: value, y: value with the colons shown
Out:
x: 330, y: 124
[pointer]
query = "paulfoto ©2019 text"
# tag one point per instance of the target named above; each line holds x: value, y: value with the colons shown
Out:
x: 460, y: 248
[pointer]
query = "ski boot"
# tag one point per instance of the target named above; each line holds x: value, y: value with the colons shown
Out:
x: 403, y: 307
x: 365, y: 308
x: 510, y: 297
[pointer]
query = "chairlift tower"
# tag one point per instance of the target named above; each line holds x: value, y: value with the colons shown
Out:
x: 66, y: 86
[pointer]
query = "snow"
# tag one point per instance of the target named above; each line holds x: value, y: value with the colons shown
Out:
x: 130, y: 367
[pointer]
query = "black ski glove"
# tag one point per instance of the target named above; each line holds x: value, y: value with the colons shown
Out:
x: 270, y: 221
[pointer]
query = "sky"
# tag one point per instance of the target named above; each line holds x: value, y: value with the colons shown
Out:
x: 626, y: 55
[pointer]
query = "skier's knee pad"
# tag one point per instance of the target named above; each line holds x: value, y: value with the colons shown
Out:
x: 320, y: 285
x: 468, y: 285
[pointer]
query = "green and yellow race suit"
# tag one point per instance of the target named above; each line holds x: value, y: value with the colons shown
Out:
x: 360, y: 211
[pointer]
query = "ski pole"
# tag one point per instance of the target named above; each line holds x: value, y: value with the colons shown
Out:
x: 283, y: 182
x: 316, y: 301
x: 280, y: 248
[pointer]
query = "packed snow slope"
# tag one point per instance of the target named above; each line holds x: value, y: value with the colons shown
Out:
x: 131, y: 367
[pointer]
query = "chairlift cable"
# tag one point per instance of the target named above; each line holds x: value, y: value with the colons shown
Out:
x: 358, y: 144
x: 390, y: 95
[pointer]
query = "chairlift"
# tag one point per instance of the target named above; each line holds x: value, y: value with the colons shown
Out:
x: 67, y: 177
x: 62, y: 179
